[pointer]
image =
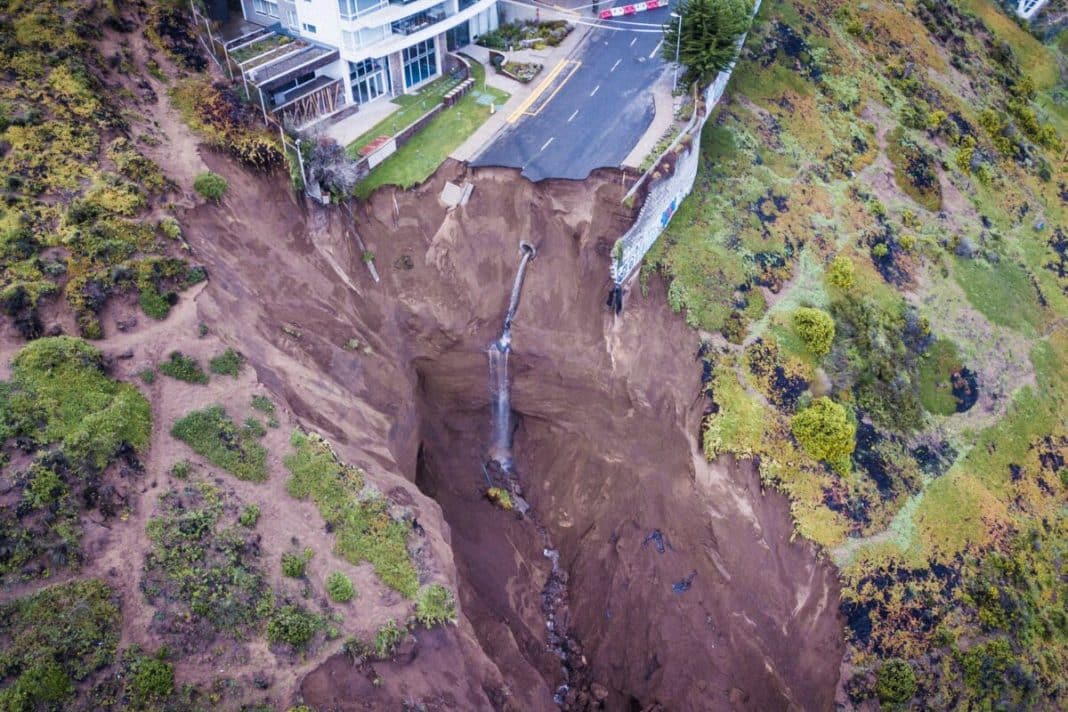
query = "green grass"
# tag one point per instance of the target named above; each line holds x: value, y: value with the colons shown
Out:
x: 435, y: 606
x: 214, y: 435
x: 1002, y: 292
x: 936, y: 388
x: 184, y: 368
x: 201, y: 565
x: 62, y: 408
x: 60, y: 634
x: 409, y: 108
x: 59, y: 394
x: 362, y: 525
x: 416, y: 160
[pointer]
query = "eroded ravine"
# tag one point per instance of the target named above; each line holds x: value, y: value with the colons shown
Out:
x: 606, y: 418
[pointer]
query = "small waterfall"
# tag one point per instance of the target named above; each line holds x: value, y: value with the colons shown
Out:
x: 500, y: 387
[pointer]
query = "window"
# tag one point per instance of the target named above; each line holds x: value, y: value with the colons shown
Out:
x: 265, y: 7
x: 291, y: 18
x: 309, y: 28
x: 420, y: 62
x: 351, y: 9
x: 368, y: 80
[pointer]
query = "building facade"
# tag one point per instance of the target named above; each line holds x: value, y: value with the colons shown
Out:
x: 384, y: 48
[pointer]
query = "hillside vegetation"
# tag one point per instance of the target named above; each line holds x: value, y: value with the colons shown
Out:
x: 899, y: 167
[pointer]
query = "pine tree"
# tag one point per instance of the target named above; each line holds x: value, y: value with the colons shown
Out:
x: 710, y: 32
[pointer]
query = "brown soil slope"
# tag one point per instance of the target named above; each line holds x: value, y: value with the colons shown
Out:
x: 608, y: 416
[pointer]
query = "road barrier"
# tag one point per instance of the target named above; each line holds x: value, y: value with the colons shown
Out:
x: 623, y: 10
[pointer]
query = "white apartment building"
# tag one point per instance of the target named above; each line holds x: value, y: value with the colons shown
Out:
x: 379, y: 48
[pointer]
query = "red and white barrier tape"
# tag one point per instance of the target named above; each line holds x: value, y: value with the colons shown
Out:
x: 632, y: 9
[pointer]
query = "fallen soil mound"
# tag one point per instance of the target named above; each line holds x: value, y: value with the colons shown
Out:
x: 684, y: 587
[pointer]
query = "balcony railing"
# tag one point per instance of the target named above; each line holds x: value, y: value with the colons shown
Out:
x: 419, y: 21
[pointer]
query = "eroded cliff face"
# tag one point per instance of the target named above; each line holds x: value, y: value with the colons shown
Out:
x: 684, y: 588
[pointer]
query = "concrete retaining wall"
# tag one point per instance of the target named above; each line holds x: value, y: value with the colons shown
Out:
x: 667, y: 193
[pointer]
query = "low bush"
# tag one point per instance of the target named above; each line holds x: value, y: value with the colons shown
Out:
x: 339, y: 587
x: 249, y: 516
x: 60, y: 634
x: 816, y: 329
x: 211, y: 186
x: 228, y: 363
x: 826, y: 433
x: 294, y: 563
x: 895, y: 683
x: 199, y: 568
x: 388, y: 637
x: 212, y: 434
x: 151, y: 680
x: 184, y: 368
x: 292, y: 625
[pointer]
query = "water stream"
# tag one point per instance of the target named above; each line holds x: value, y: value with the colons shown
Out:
x: 500, y: 386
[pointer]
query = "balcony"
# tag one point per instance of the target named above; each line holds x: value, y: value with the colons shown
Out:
x: 419, y: 21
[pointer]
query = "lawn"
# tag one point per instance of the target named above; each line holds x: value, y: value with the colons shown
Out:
x: 416, y: 160
x: 411, y: 107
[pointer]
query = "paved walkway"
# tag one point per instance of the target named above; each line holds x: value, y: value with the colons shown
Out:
x: 352, y: 127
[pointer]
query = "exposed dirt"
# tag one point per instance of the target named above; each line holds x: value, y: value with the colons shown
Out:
x: 605, y: 446
x: 684, y: 587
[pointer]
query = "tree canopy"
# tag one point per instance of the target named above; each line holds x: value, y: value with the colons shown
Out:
x: 710, y: 32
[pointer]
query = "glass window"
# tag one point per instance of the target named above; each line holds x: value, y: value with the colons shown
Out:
x: 309, y: 28
x: 265, y: 7
x: 420, y: 62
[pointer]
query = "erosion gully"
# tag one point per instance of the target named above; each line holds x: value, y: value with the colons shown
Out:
x: 634, y: 575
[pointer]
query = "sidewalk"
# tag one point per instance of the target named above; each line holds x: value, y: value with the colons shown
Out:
x: 547, y: 57
x: 665, y: 105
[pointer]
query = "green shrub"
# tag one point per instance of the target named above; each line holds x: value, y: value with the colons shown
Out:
x: 184, y: 368
x: 198, y: 568
x: 43, y: 686
x: 840, y: 272
x: 895, y: 683
x: 211, y: 185
x: 74, y: 624
x: 339, y: 587
x: 826, y: 433
x: 212, y: 434
x: 170, y: 227
x: 816, y: 329
x: 228, y: 363
x: 293, y: 626
x: 249, y: 516
x: 294, y: 563
x: 148, y: 375
x: 388, y: 637
x: 151, y: 680
x: 435, y: 605
x: 181, y: 469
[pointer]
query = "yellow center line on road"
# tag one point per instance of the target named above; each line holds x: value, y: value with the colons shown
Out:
x: 524, y: 108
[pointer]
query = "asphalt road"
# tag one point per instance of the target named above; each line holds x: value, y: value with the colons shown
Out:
x: 596, y: 117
